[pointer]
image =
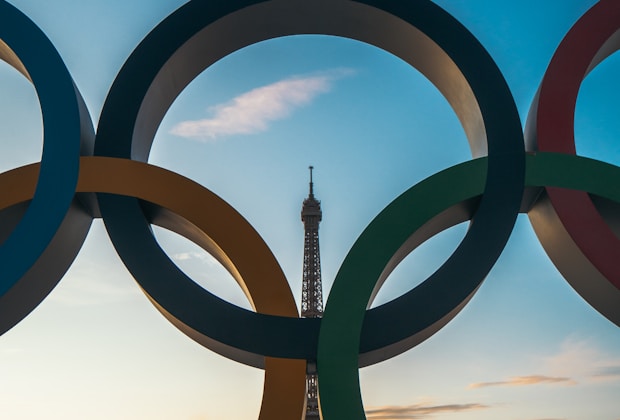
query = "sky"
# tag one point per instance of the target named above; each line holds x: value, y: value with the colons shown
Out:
x: 527, y: 347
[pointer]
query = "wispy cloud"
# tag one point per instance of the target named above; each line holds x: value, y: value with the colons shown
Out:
x: 607, y: 373
x: 525, y: 380
x: 253, y: 111
x: 186, y: 256
x: 10, y: 351
x: 555, y: 418
x: 584, y: 359
x: 87, y: 286
x: 419, y: 411
x: 202, y: 257
x: 579, y: 361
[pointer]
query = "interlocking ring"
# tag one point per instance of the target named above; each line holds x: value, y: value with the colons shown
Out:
x: 34, y: 236
x: 489, y: 190
x: 568, y: 224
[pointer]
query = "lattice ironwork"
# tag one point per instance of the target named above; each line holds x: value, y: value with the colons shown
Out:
x: 312, y: 289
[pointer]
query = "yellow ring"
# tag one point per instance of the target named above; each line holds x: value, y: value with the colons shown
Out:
x: 226, y: 235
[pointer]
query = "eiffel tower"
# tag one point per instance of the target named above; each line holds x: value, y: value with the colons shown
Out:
x: 311, y: 294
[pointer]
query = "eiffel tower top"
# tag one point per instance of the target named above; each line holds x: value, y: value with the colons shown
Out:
x: 311, y: 206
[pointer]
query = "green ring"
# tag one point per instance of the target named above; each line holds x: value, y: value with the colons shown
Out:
x: 394, y: 225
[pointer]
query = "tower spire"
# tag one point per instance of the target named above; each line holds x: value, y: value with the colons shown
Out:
x: 312, y: 293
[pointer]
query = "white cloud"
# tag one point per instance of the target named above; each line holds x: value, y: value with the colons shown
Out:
x: 253, y: 111
x: 579, y: 361
x: 92, y: 289
x: 184, y: 256
x: 582, y: 358
x: 203, y: 257
x: 525, y: 380
x: 10, y: 351
x: 419, y: 411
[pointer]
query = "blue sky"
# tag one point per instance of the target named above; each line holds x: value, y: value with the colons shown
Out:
x: 527, y: 347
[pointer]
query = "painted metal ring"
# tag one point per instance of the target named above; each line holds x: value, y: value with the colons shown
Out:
x: 31, y: 235
x: 436, y: 44
x: 132, y: 194
x: 586, y: 253
x: 446, y: 291
x: 168, y: 200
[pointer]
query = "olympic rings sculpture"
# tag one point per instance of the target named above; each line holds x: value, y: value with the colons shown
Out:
x: 46, y: 208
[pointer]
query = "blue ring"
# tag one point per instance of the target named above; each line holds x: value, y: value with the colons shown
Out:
x: 63, y: 114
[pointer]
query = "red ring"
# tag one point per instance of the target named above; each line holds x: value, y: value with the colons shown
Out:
x: 590, y: 41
